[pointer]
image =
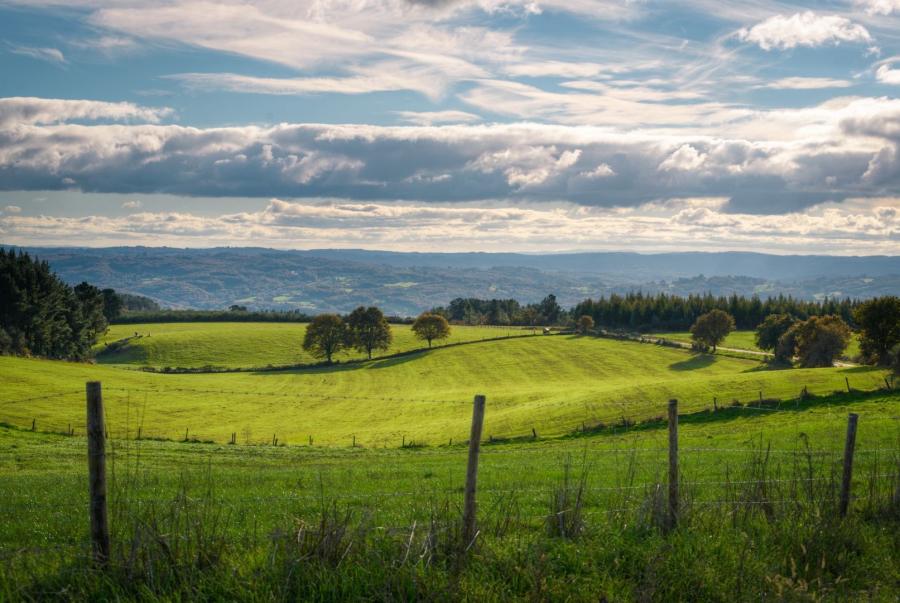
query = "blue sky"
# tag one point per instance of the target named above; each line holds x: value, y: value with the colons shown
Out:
x: 452, y: 124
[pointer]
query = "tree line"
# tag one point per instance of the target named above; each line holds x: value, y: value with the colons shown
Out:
x: 640, y: 311
x: 40, y: 315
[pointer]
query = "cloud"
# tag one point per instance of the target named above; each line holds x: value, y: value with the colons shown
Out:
x: 428, y: 118
x: 20, y: 111
x: 886, y: 74
x: 132, y: 205
x: 841, y: 148
x: 806, y: 83
x: 867, y: 226
x: 12, y: 209
x: 879, y: 7
x: 809, y: 29
x: 51, y: 55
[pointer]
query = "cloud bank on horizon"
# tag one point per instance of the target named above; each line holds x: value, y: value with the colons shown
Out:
x: 458, y: 124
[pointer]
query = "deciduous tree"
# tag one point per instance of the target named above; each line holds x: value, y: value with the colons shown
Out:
x: 819, y: 340
x: 585, y: 324
x: 769, y: 333
x: 430, y: 326
x: 368, y: 330
x: 712, y: 328
x: 879, y: 325
x: 325, y: 336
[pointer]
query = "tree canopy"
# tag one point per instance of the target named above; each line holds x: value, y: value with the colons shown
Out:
x: 326, y: 335
x: 771, y: 331
x: 429, y: 327
x: 585, y: 324
x: 368, y: 330
x: 712, y: 328
x: 43, y: 316
x: 819, y: 340
x: 879, y: 324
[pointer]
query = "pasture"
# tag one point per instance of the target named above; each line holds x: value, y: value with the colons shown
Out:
x: 553, y: 384
x: 347, y: 480
x: 746, y: 340
x: 247, y: 345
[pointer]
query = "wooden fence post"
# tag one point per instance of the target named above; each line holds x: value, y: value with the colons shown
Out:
x: 847, y: 381
x: 34, y: 421
x: 97, y: 473
x: 849, y: 446
x: 673, y: 463
x: 469, y: 508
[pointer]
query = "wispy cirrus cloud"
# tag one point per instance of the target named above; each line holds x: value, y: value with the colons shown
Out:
x: 50, y: 55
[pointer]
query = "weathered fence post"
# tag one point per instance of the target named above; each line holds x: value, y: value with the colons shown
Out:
x: 847, y: 381
x: 34, y: 421
x: 534, y: 433
x: 97, y: 473
x: 849, y: 446
x: 673, y: 463
x: 469, y: 508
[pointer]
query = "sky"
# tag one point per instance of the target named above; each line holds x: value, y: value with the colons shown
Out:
x: 452, y: 125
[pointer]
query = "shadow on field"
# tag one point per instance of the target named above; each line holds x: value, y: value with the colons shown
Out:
x: 695, y: 362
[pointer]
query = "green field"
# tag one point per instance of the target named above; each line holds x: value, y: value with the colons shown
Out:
x: 746, y: 340
x: 242, y: 344
x: 553, y: 384
x: 196, y: 518
x: 173, y: 503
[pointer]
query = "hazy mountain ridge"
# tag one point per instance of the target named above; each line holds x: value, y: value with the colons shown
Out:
x: 407, y: 283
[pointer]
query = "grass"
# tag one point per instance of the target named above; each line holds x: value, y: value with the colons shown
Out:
x: 552, y: 384
x: 247, y: 522
x: 233, y: 345
x: 746, y: 340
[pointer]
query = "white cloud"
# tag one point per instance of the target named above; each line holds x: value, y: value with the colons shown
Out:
x: 428, y: 118
x: 879, y: 7
x: 601, y: 171
x: 20, y: 111
x: 132, y: 205
x: 803, y: 29
x: 12, y: 209
x: 806, y: 83
x: 844, y: 147
x: 51, y: 55
x: 886, y: 74
x: 865, y: 226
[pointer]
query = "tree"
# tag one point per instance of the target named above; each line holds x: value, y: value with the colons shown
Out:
x: 712, y: 328
x: 430, y: 326
x: 237, y: 308
x: 585, y: 324
x: 879, y: 323
x: 530, y: 314
x: 819, y: 340
x: 368, y: 330
x: 769, y: 334
x: 325, y: 336
x: 112, y: 304
x: 549, y: 310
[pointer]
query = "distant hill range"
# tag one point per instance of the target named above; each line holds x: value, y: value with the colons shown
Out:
x: 407, y: 283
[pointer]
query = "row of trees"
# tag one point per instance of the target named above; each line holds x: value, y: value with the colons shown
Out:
x: 365, y: 330
x: 640, y: 311
x: 817, y: 340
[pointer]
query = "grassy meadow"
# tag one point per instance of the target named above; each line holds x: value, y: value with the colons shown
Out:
x: 746, y: 340
x: 576, y: 513
x: 251, y: 345
x: 205, y: 520
x: 554, y: 384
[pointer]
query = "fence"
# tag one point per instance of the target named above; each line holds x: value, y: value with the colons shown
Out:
x: 654, y: 482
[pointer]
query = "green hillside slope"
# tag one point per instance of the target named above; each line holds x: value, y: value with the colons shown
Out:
x: 552, y: 384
